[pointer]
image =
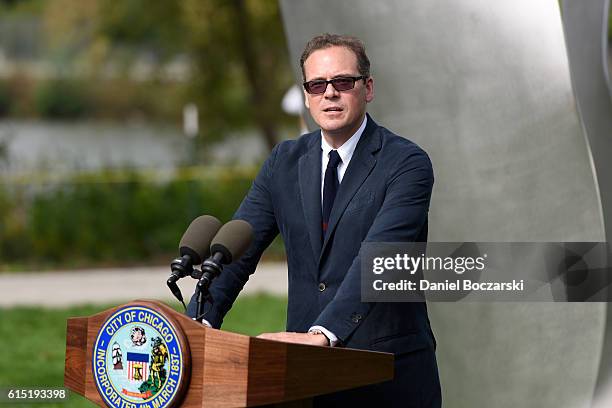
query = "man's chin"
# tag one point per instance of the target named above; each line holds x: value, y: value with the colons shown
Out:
x: 332, y: 125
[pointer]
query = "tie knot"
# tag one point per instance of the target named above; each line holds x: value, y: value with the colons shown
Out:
x: 334, y: 159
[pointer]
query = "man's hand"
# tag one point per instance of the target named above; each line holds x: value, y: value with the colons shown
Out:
x: 292, y: 337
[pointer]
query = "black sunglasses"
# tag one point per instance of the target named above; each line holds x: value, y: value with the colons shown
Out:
x: 318, y: 86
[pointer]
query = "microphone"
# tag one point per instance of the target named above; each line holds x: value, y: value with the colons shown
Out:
x: 193, y: 248
x: 230, y: 243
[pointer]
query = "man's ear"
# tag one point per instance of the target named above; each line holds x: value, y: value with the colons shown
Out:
x: 369, y: 89
x: 306, y: 101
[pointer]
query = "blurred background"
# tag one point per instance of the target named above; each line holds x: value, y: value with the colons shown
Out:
x: 118, y: 125
x: 120, y: 122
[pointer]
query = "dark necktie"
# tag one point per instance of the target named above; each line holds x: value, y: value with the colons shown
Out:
x: 330, y: 187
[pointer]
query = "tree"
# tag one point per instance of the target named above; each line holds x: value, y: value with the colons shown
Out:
x: 241, y: 62
x: 237, y: 49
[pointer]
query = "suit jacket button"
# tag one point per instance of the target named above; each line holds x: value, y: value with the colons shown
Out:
x: 322, y: 287
x: 355, y: 317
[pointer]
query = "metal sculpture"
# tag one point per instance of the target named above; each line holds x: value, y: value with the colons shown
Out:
x: 485, y: 88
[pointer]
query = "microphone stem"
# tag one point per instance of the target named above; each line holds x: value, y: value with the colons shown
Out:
x: 211, y: 268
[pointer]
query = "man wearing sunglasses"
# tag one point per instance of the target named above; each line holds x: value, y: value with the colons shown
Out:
x: 350, y: 182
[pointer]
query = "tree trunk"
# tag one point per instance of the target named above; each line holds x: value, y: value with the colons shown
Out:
x: 259, y: 96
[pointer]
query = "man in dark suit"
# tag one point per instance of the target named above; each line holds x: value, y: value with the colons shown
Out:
x: 327, y: 192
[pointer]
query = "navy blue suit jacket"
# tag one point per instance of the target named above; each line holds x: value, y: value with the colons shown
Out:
x: 384, y: 197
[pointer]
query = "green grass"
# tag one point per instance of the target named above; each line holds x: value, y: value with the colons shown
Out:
x: 32, y: 340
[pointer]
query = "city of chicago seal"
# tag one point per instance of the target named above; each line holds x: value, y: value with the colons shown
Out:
x: 137, y: 359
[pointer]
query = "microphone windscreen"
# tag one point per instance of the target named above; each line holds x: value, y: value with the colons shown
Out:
x: 196, y: 240
x: 232, y: 240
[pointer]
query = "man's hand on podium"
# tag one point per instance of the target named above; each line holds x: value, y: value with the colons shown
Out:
x: 302, y: 338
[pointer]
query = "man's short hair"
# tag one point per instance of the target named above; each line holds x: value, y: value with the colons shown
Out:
x: 327, y: 40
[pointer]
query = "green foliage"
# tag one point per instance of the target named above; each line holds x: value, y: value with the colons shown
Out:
x: 62, y: 99
x: 160, y: 28
x: 19, y: 92
x: 17, y: 7
x: 13, y: 236
x: 112, y: 99
x: 105, y: 220
x: 242, y: 63
x: 4, y: 99
x: 235, y: 47
x: 229, y: 57
x: 123, y: 99
x: 34, y: 339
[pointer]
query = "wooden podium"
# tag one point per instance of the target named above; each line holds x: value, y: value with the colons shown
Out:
x: 223, y: 369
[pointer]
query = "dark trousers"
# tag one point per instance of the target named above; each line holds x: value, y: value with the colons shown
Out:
x: 415, y: 385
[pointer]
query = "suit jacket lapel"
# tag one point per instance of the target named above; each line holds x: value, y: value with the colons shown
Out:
x: 359, y: 168
x: 309, y: 174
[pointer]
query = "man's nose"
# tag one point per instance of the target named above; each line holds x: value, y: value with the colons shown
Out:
x: 330, y: 91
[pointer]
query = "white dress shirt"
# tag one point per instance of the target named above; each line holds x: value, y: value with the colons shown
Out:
x: 345, y: 152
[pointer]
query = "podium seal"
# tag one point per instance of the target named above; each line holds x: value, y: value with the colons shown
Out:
x: 137, y: 359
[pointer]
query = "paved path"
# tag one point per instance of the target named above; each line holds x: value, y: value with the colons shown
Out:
x: 66, y: 288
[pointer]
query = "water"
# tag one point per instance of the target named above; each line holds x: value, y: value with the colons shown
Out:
x: 39, y: 145
x: 31, y: 145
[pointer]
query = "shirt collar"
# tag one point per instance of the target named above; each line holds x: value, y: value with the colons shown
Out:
x: 348, y: 148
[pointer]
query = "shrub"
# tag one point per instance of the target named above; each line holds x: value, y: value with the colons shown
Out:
x: 14, y: 242
x: 101, y: 220
x: 5, y: 105
x: 61, y: 99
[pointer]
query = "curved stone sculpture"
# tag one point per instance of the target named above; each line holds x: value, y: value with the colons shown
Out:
x: 484, y: 87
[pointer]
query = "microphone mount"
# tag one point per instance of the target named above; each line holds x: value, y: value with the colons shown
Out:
x: 211, y: 268
x: 180, y: 268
